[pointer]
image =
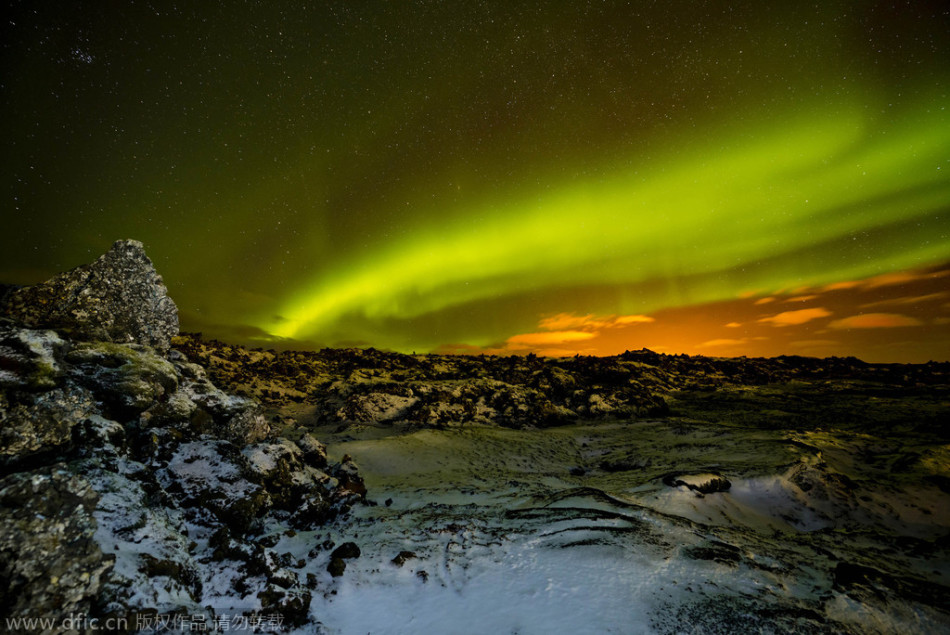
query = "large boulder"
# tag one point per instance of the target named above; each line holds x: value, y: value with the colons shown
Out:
x: 118, y: 298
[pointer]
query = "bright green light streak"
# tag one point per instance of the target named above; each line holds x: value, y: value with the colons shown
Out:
x: 726, y: 204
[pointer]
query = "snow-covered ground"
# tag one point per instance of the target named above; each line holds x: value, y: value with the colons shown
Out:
x: 499, y: 535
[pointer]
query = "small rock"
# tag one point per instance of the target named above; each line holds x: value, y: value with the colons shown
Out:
x: 336, y: 567
x: 346, y: 550
x: 403, y: 557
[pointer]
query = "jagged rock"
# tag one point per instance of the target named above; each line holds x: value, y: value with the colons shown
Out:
x: 346, y: 551
x: 37, y: 428
x: 238, y: 419
x: 140, y: 525
x: 348, y: 472
x: 699, y: 483
x: 160, y: 447
x: 176, y: 410
x: 198, y: 388
x: 117, y: 298
x: 278, y: 465
x: 127, y: 379
x: 28, y: 357
x: 314, y: 452
x: 50, y: 562
x: 248, y: 426
x: 403, y: 557
x: 293, y: 606
x: 100, y: 436
x: 376, y: 406
x: 358, y: 387
x: 209, y: 478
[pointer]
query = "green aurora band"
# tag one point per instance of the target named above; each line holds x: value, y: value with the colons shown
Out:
x: 725, y: 216
x: 426, y: 175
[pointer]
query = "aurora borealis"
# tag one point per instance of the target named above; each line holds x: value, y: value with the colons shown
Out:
x: 721, y: 178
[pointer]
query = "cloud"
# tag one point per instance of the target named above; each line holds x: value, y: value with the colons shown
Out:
x: 764, y: 300
x: 887, y: 280
x: 722, y: 342
x: 801, y: 298
x: 590, y: 322
x: 874, y: 321
x: 840, y: 286
x: 733, y: 325
x: 901, y: 277
x: 623, y: 320
x: 548, y: 338
x: 904, y: 300
x: 794, y: 318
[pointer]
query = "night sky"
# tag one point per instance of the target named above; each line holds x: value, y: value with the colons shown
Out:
x: 723, y: 178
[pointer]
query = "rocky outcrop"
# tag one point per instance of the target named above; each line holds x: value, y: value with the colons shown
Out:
x: 356, y: 387
x: 130, y: 484
x: 118, y: 298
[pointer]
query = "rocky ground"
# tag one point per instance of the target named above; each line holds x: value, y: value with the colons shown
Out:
x: 169, y: 483
x: 354, y: 387
x: 133, y: 489
x: 641, y: 493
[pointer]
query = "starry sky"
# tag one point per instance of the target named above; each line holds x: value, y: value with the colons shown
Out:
x: 719, y: 178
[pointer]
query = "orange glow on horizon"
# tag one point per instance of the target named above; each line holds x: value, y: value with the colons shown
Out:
x: 832, y: 322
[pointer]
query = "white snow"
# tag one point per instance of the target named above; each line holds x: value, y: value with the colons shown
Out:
x: 509, y: 543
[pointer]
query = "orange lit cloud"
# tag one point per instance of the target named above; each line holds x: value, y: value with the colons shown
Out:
x: 905, y: 300
x: 722, y: 342
x: 562, y: 329
x: 622, y: 320
x: 547, y: 338
x: 566, y: 321
x: 794, y: 318
x: 888, y: 279
x: 755, y: 324
x: 874, y: 321
x: 841, y: 286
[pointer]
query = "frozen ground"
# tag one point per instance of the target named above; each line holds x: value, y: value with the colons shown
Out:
x: 664, y: 526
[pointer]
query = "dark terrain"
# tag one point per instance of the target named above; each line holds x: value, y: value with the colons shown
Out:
x: 835, y: 468
x: 159, y: 479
